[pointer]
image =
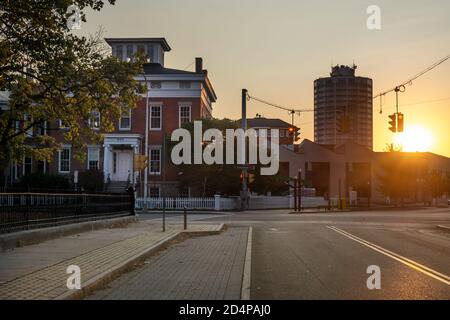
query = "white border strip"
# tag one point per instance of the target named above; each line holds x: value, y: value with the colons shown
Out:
x: 246, y: 278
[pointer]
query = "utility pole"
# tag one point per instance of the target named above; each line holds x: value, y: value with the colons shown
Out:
x: 244, y: 152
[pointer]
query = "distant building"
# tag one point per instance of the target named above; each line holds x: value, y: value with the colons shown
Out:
x: 343, y: 108
x: 286, y: 131
x: 337, y: 171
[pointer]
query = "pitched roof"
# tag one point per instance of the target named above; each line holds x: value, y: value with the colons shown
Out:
x: 156, y: 68
x: 267, y: 123
x: 161, y: 41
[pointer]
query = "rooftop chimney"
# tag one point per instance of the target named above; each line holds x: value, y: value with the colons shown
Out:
x: 198, y: 65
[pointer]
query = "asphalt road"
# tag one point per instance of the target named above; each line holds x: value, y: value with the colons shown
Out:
x: 326, y: 255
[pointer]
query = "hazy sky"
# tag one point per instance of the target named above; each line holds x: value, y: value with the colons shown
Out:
x: 276, y: 48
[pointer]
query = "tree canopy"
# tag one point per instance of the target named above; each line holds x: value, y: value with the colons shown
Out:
x: 51, y: 74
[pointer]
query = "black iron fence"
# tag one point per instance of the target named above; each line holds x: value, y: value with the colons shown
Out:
x: 24, y: 211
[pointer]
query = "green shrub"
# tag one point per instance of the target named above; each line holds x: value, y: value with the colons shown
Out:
x: 44, y: 181
x: 91, y: 180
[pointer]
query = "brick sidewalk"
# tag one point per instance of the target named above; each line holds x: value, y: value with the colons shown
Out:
x: 205, y: 268
x: 49, y: 282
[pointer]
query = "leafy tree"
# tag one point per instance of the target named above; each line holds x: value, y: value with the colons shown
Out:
x: 390, y: 147
x: 91, y: 180
x: 210, y: 179
x: 435, y: 183
x: 277, y: 184
x: 397, y: 180
x: 51, y: 74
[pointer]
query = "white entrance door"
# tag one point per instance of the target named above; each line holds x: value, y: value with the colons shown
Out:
x: 123, y: 166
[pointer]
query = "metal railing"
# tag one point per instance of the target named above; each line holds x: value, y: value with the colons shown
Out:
x: 25, y: 211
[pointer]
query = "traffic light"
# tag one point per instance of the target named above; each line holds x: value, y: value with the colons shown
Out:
x: 297, y: 135
x: 393, y: 122
x: 291, y: 131
x: 251, y: 177
x: 400, y: 122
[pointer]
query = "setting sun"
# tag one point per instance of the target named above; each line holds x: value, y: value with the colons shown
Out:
x: 415, y: 138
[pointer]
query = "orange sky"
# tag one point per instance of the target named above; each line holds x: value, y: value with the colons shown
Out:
x: 276, y: 48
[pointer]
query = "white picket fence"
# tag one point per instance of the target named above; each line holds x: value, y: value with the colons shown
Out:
x: 217, y: 203
x: 177, y: 203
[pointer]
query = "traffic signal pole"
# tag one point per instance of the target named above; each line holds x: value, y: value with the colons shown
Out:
x: 244, y: 153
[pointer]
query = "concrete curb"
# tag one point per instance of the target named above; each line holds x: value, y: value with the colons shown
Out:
x: 24, y: 238
x: 445, y: 228
x: 106, y: 277
x: 246, y: 278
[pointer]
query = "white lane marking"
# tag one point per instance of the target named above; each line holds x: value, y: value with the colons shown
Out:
x: 410, y: 263
x: 246, y: 277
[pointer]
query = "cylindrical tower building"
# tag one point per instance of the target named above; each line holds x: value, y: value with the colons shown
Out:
x: 343, y: 108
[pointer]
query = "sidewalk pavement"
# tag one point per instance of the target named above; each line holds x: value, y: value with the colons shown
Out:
x: 40, y: 271
x: 204, y: 268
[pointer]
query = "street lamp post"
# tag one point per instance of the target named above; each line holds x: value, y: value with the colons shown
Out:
x: 146, y: 142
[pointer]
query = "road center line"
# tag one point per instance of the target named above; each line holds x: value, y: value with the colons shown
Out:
x: 410, y: 263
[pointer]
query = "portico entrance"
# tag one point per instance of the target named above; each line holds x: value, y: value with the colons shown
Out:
x: 119, y: 153
x: 122, y: 165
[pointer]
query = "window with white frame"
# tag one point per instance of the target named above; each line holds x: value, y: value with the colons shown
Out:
x: 42, y: 166
x: 93, y: 158
x: 141, y: 49
x: 154, y: 192
x: 27, y: 165
x: 62, y: 125
x: 16, y: 126
x: 185, y: 84
x: 42, y: 128
x: 64, y: 160
x: 125, y: 120
x: 155, y: 117
x: 15, y: 172
x: 94, y: 120
x: 185, y: 114
x: 119, y: 52
x: 28, y: 120
x: 129, y: 51
x: 155, y: 161
x: 150, y: 52
x: 155, y: 85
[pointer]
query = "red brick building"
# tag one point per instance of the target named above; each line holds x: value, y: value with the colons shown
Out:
x: 174, y: 97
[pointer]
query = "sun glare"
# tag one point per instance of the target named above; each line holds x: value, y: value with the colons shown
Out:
x: 415, y: 138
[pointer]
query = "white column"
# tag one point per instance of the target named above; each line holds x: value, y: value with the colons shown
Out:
x: 107, y: 161
x: 135, y: 172
x: 217, y: 202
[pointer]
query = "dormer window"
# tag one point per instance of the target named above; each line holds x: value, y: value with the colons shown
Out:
x: 150, y: 53
x: 185, y: 84
x: 155, y: 85
x: 129, y: 51
x: 141, y: 49
x: 119, y: 52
